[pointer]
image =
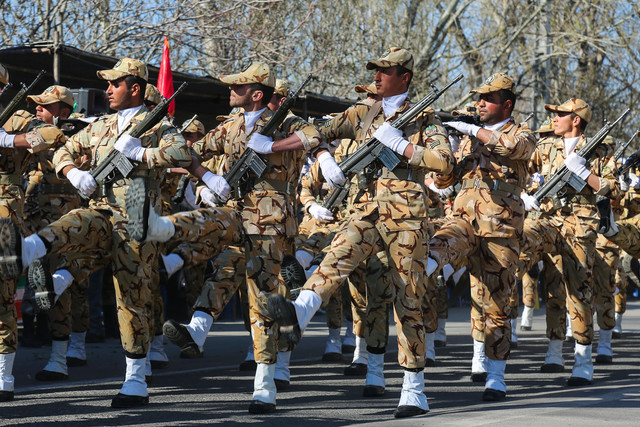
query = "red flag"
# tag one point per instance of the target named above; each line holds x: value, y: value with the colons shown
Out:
x: 165, y: 77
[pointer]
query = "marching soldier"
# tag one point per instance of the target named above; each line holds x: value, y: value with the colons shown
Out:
x: 487, y: 222
x: 389, y: 214
x: 99, y: 233
x: 568, y: 233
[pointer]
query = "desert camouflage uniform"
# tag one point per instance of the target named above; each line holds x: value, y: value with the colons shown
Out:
x: 389, y: 214
x: 568, y: 235
x: 98, y: 233
x: 486, y: 227
x: 13, y: 163
x: 268, y: 219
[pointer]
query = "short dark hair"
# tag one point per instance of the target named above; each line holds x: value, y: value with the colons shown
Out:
x: 507, y: 95
x: 67, y: 106
x: 583, y: 123
x: 131, y: 80
x: 267, y: 92
x: 400, y: 70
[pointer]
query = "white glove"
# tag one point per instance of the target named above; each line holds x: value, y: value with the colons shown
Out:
x: 575, y: 164
x: 537, y: 178
x: 391, y: 137
x: 260, y: 143
x: 530, y: 202
x: 454, y: 140
x: 209, y: 198
x: 131, y: 147
x: 624, y: 183
x: 218, y: 185
x: 330, y: 170
x: 635, y: 181
x: 443, y: 192
x: 465, y: 128
x: 6, y: 140
x: 82, y: 180
x: 304, y: 258
x: 320, y: 212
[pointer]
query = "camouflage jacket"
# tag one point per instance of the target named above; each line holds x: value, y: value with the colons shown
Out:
x: 268, y: 209
x: 400, y: 202
x: 549, y: 158
x: 165, y: 148
x: 504, y: 161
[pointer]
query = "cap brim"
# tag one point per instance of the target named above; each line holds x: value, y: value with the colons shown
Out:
x: 483, y: 89
x: 42, y: 99
x: 234, y: 79
x: 110, y: 74
x: 557, y: 108
x: 380, y: 63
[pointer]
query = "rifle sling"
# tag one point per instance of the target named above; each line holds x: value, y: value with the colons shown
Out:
x: 368, y: 119
x: 268, y: 184
x: 492, y: 185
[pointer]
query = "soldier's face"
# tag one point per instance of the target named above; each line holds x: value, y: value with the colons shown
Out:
x: 120, y: 98
x: 563, y: 123
x: 389, y: 83
x: 491, y: 110
x: 241, y: 96
x: 46, y: 113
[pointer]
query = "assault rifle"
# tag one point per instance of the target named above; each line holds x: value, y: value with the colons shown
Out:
x: 375, y: 151
x: 18, y: 99
x: 240, y: 177
x: 5, y: 90
x: 116, y: 165
x: 554, y: 186
x: 633, y: 159
x: 472, y: 119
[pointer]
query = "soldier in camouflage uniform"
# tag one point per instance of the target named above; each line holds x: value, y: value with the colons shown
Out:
x: 567, y: 231
x: 20, y: 137
x: 390, y: 214
x: 99, y: 233
x: 266, y: 209
x: 487, y: 221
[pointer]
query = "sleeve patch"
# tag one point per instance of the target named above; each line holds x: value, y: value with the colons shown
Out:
x: 430, y: 130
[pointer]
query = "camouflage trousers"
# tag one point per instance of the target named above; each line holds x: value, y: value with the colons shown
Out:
x: 604, y: 281
x: 628, y: 238
x: 437, y: 292
x: 10, y: 207
x: 492, y: 266
x: 363, y: 236
x: 622, y: 283
x: 94, y: 239
x: 529, y: 290
x: 569, y: 244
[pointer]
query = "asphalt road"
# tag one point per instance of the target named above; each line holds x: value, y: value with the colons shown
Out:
x: 212, y: 390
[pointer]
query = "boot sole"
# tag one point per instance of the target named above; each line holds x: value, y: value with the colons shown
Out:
x: 138, y: 204
x: 283, y: 312
x: 40, y: 280
x: 10, y: 249
x: 177, y: 334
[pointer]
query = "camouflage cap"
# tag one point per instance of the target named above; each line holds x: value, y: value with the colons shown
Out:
x: 53, y: 94
x: 370, y: 89
x: 495, y: 83
x: 282, y: 88
x: 195, y: 126
x: 4, y: 75
x: 152, y: 94
x: 392, y: 57
x: 258, y: 72
x: 546, y: 126
x: 573, y: 105
x: 125, y: 67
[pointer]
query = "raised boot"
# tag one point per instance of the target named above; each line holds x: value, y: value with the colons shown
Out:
x: 293, y: 317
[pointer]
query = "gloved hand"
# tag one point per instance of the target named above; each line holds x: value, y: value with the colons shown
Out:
x: 624, y: 183
x: 537, y: 178
x: 131, y: 147
x: 320, y: 212
x: 634, y: 180
x: 530, y: 202
x: 391, y: 137
x: 330, y: 170
x: 575, y: 164
x: 304, y: 258
x: 442, y: 192
x: 218, y: 185
x: 6, y: 140
x: 82, y: 180
x: 209, y: 198
x: 260, y: 144
x: 465, y: 128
